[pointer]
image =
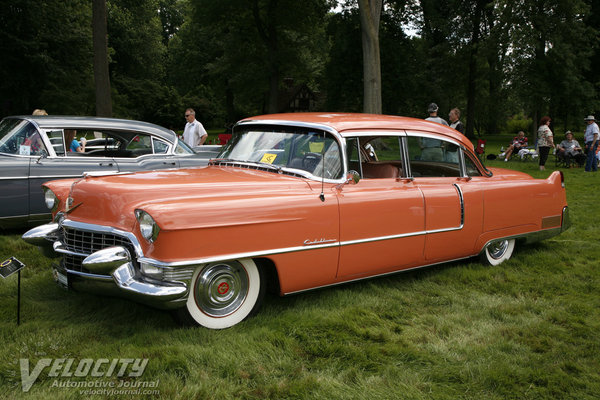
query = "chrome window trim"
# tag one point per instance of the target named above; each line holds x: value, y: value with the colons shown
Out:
x: 372, y: 133
x: 405, y: 158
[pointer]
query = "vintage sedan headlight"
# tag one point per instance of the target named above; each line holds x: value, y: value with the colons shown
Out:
x: 50, y: 199
x: 148, y: 227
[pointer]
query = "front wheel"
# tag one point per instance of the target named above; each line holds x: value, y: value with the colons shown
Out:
x: 498, y: 251
x: 223, y: 294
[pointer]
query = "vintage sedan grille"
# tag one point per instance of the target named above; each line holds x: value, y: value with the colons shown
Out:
x: 87, y: 242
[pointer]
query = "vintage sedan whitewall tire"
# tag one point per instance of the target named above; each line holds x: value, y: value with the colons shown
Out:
x: 223, y: 294
x: 498, y: 251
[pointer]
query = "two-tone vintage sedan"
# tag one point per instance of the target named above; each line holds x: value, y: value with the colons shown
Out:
x: 293, y: 202
x: 36, y: 149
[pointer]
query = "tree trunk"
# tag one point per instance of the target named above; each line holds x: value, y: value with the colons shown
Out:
x: 370, y: 14
x: 100, y: 44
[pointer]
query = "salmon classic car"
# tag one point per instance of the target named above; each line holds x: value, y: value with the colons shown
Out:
x: 36, y: 149
x: 293, y: 202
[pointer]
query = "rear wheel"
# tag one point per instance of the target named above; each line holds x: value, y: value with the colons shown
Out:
x: 498, y: 251
x: 223, y: 294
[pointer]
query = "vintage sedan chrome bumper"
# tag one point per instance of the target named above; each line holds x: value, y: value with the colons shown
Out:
x: 110, y: 271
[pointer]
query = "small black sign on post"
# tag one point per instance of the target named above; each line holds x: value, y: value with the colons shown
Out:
x: 7, y: 268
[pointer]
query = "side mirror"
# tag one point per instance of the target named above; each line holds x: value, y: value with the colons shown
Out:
x: 352, y: 177
x: 43, y: 154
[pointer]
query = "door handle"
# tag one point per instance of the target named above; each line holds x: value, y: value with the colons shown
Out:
x: 110, y: 164
x: 169, y: 163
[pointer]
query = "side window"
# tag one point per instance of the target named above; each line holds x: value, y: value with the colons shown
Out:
x: 58, y: 142
x: 32, y: 145
x: 431, y: 157
x: 182, y: 148
x: 381, y: 157
x: 375, y: 157
x: 472, y: 169
x: 139, y: 145
x: 160, y: 147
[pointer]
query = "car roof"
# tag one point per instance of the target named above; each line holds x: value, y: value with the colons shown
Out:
x: 348, y: 124
x: 72, y: 122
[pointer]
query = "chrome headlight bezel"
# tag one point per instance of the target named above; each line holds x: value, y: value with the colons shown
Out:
x: 149, y: 229
x: 50, y: 199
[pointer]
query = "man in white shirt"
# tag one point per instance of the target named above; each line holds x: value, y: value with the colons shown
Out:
x: 194, y: 134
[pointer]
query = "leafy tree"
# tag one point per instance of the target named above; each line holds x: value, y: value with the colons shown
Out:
x: 138, y: 58
x: 46, y: 57
x: 550, y: 41
x: 244, y: 49
x: 101, y: 77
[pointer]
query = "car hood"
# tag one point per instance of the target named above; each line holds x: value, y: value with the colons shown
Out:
x: 179, y: 199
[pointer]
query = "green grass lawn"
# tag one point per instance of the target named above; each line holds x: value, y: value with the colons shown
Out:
x: 528, y: 329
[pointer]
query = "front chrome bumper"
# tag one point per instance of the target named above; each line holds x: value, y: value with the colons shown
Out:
x: 112, y: 271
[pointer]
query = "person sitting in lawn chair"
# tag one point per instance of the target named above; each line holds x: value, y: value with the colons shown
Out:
x: 518, y: 143
x: 569, y: 150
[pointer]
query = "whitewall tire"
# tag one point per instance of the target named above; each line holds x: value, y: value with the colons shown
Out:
x: 222, y: 294
x: 498, y: 251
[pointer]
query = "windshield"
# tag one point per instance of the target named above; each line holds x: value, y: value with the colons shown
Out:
x: 313, y: 151
x: 20, y: 137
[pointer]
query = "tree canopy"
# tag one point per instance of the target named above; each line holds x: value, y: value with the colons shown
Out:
x: 497, y: 60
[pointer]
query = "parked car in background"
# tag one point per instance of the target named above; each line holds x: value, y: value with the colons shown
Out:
x: 294, y: 202
x: 33, y: 150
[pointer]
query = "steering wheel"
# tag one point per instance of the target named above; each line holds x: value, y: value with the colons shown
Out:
x: 310, y: 161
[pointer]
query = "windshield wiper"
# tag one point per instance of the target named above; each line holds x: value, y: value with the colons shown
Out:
x: 273, y: 167
x: 270, y: 166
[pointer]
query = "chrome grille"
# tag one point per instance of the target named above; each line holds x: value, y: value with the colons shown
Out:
x: 87, y: 242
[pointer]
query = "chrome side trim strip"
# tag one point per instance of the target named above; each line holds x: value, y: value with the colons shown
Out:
x: 223, y: 257
x: 381, y: 238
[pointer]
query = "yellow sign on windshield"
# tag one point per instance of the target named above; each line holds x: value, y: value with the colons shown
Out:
x: 316, y: 147
x: 268, y: 158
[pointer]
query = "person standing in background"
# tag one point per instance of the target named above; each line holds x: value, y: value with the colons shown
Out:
x: 454, y: 117
x: 194, y: 134
x: 545, y: 141
x: 591, y: 143
x: 433, y: 115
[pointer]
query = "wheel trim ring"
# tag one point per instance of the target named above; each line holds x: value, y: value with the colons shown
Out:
x: 497, y: 249
x: 221, y: 289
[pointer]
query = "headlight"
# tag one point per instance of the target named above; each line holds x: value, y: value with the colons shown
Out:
x: 148, y: 228
x: 50, y: 199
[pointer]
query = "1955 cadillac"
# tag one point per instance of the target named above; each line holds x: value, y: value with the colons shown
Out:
x: 293, y: 202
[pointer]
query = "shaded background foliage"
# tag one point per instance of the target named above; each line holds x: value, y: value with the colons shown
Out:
x: 504, y: 63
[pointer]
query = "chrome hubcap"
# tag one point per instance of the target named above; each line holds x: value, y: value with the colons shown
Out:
x: 497, y: 249
x: 221, y: 288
